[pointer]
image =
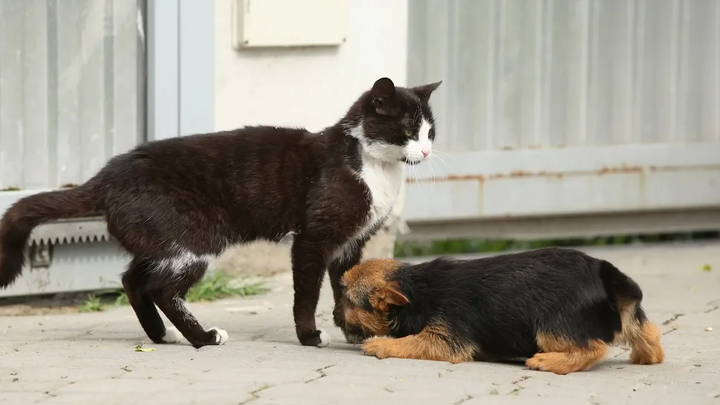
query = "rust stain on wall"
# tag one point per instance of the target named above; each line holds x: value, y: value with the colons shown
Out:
x: 482, y: 178
x: 450, y: 177
x: 517, y: 174
x: 621, y: 169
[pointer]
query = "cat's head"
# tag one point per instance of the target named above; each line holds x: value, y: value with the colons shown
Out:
x: 395, y: 123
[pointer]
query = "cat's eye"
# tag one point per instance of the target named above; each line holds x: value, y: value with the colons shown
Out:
x: 408, y: 133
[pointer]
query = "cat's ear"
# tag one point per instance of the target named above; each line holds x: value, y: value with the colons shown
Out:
x: 384, y: 98
x: 389, y: 294
x: 423, y: 92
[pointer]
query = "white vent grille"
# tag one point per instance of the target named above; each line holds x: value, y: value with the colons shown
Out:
x: 71, y: 231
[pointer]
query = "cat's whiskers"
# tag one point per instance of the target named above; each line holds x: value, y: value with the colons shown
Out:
x: 410, y: 173
x: 441, y: 159
x: 433, y: 159
x: 432, y: 171
x: 416, y: 173
x: 422, y: 175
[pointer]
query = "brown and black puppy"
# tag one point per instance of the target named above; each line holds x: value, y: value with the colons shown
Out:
x: 558, y: 308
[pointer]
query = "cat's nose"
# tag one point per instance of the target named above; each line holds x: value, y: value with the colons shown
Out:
x: 426, y: 152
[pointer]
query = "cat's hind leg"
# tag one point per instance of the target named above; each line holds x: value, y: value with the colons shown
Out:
x: 135, y: 281
x: 169, y: 286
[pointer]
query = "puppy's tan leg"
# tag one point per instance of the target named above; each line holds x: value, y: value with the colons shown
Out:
x: 646, y: 348
x: 642, y: 336
x: 432, y: 343
x: 562, y: 357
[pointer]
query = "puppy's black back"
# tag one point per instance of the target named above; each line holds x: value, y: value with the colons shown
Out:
x: 501, y: 303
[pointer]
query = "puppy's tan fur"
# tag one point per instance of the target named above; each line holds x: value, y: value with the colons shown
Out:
x: 368, y: 282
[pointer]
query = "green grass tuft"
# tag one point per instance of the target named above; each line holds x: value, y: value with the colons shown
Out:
x: 92, y: 304
x: 121, y: 299
x: 221, y: 285
x: 210, y: 288
x: 469, y: 246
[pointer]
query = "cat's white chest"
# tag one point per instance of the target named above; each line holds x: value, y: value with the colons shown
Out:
x: 383, y: 181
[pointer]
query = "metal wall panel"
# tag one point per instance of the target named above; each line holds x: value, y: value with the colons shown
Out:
x: 567, y: 107
x: 83, y: 99
x: 71, y: 88
x: 553, y: 73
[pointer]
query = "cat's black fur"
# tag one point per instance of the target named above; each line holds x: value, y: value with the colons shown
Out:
x: 174, y: 204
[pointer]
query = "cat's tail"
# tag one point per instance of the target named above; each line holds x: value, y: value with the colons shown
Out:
x: 27, y: 213
x: 637, y: 332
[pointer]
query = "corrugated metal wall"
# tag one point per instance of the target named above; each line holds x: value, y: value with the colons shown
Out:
x: 71, y: 88
x: 555, y: 108
x: 552, y: 73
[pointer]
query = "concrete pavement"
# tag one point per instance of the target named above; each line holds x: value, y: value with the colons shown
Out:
x: 90, y: 358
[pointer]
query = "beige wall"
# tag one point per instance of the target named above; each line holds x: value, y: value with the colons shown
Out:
x: 310, y: 87
x: 307, y: 87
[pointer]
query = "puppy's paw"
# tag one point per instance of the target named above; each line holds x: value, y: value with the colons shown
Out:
x: 646, y: 358
x: 552, y: 362
x: 379, y: 347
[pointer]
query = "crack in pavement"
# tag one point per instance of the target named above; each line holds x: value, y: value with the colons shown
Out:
x: 521, y: 379
x: 50, y: 394
x: 322, y: 373
x: 467, y: 398
x: 715, y: 308
x: 254, y: 394
x: 621, y: 353
x: 672, y: 319
x: 518, y: 387
x: 669, y: 331
x: 442, y: 373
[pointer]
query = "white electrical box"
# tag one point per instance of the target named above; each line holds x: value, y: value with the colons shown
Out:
x: 286, y: 23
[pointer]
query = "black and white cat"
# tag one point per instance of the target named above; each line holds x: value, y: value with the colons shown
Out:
x: 176, y: 204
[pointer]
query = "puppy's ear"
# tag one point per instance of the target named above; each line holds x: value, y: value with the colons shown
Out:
x: 389, y: 294
x: 393, y: 296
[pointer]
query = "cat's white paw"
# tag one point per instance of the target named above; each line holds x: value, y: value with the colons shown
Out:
x: 324, y: 338
x: 172, y: 335
x: 222, y: 335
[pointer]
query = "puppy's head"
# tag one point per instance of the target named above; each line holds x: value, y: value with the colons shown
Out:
x: 368, y: 296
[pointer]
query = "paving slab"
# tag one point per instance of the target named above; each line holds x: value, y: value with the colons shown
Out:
x: 90, y: 358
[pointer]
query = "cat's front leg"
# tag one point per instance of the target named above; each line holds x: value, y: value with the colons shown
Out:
x: 350, y: 257
x: 308, y: 267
